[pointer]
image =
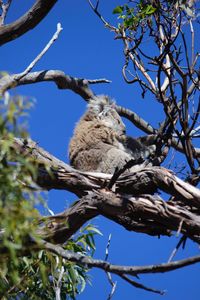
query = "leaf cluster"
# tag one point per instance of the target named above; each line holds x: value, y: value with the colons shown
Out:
x: 132, y: 16
x: 137, y: 14
x: 26, y: 272
x: 40, y: 273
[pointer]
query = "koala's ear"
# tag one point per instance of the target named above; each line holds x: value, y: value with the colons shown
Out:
x: 104, y: 112
x: 97, y: 104
x: 113, y: 105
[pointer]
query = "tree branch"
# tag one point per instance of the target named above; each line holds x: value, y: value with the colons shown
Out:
x: 46, y: 48
x: 4, y: 8
x: 141, y: 286
x: 126, y: 205
x: 146, y: 179
x: 145, y: 214
x: 95, y: 9
x: 77, y: 85
x: 59, y: 228
x: 27, y: 22
x: 118, y: 269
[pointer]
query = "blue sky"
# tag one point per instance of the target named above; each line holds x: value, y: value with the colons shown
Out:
x: 86, y: 49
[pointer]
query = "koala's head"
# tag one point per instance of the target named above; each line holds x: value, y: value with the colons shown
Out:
x: 103, y: 110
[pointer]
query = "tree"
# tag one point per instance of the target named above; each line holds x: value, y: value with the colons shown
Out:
x: 171, y: 76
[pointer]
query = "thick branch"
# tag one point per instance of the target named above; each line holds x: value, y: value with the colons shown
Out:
x: 61, y: 227
x: 138, y: 211
x: 61, y: 176
x: 77, y: 85
x: 145, y: 214
x: 145, y: 179
x: 27, y: 22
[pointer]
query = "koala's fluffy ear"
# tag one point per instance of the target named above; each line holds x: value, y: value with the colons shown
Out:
x: 99, y: 104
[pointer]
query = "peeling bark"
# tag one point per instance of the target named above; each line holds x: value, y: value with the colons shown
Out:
x: 131, y: 202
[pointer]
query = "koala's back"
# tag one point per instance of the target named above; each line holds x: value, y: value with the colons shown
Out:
x: 95, y: 147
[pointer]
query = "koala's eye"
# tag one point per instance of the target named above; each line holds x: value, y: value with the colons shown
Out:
x: 101, y: 114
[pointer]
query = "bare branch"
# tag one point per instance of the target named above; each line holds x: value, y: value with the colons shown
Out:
x: 46, y: 48
x: 136, y: 63
x: 141, y: 286
x: 57, y: 288
x: 28, y: 21
x: 194, y: 85
x: 192, y: 44
x: 182, y: 241
x: 113, y: 284
x: 136, y: 120
x: 100, y: 80
x: 5, y: 8
x: 145, y: 214
x: 63, y: 81
x: 117, y: 269
x: 59, y: 228
x: 95, y: 9
x: 148, y: 128
x: 168, y: 71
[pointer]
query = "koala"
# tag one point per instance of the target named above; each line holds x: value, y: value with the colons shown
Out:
x: 100, y: 143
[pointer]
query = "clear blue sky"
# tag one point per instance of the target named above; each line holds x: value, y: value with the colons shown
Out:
x: 86, y: 49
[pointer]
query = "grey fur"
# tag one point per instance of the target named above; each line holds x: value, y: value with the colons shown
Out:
x: 100, y: 143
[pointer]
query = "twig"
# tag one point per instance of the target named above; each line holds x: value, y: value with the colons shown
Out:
x: 8, y: 82
x: 100, y: 80
x: 95, y: 9
x: 108, y: 246
x: 33, y: 63
x: 136, y: 63
x: 192, y: 48
x: 166, y: 66
x: 49, y: 210
x: 181, y: 241
x: 113, y: 284
x: 179, y: 227
x: 4, y: 8
x: 141, y: 286
x: 119, y: 172
x: 59, y: 284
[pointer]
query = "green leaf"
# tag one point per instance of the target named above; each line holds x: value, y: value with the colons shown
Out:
x: 93, y: 229
x: 90, y: 241
x: 118, y: 10
x: 73, y: 275
x: 150, y: 10
x: 82, y: 283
